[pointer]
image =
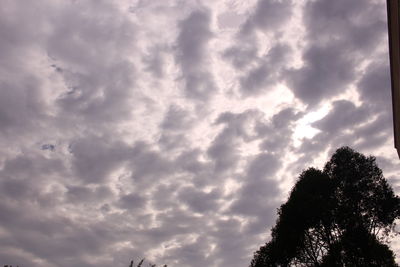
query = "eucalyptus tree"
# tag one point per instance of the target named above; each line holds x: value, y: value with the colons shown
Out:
x: 343, y: 215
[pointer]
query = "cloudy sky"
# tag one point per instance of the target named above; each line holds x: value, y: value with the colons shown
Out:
x: 174, y: 129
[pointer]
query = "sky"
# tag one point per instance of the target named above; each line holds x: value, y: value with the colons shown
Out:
x: 174, y: 129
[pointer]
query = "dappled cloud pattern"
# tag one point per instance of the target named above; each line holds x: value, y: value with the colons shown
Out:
x: 172, y: 130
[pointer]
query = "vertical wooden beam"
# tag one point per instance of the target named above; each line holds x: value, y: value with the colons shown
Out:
x: 394, y: 53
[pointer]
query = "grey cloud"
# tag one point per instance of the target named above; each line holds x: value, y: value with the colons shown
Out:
x: 358, y: 24
x: 263, y: 166
x: 257, y: 199
x: 223, y: 150
x: 175, y: 223
x: 338, y: 128
x: 277, y: 133
x: 81, y: 43
x: 195, y: 253
x: 387, y: 164
x: 260, y: 188
x: 148, y: 165
x: 155, y: 61
x: 343, y: 115
x: 132, y: 201
x: 190, y: 161
x: 242, y: 125
x: 249, y: 126
x: 276, y: 143
x: 79, y: 186
x: 22, y: 105
x: 26, y: 165
x: 176, y: 123
x: 13, y: 188
x: 50, y: 147
x: 340, y: 34
x: 268, y: 15
x: 83, y: 194
x: 380, y: 124
x: 172, y: 141
x: 56, y: 234
x: 177, y: 118
x: 266, y: 74
x: 94, y: 158
x: 229, y: 242
x: 374, y: 86
x: 89, y: 42
x: 101, y: 96
x: 165, y: 196
x: 192, y: 43
x: 19, y: 33
x: 345, y: 125
x: 202, y: 173
x: 79, y: 28
x: 224, y: 153
x: 285, y: 118
x: 199, y: 201
x: 261, y: 71
x: 375, y: 133
x: 328, y: 70
x: 193, y: 37
x: 241, y: 56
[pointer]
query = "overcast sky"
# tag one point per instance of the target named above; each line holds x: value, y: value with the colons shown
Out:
x: 174, y: 129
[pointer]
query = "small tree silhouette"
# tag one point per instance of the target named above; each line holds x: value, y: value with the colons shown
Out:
x: 141, y: 262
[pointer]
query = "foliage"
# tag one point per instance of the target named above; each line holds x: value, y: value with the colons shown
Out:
x: 141, y: 262
x: 341, y: 216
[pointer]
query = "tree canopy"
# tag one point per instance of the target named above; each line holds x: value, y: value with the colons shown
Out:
x: 141, y: 262
x: 342, y: 215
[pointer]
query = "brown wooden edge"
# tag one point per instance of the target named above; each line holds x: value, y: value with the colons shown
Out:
x: 394, y: 54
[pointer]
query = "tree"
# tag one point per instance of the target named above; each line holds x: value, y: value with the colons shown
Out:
x: 341, y: 216
x: 141, y: 262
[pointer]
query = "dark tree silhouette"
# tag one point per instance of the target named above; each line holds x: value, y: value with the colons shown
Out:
x: 341, y: 216
x: 141, y: 262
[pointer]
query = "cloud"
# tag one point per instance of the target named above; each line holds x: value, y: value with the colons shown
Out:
x: 327, y: 71
x: 260, y: 188
x: 192, y: 44
x: 21, y: 105
x: 224, y: 149
x: 176, y: 118
x: 357, y: 24
x: 342, y: 115
x: 241, y: 56
x: 198, y: 201
x: 335, y: 44
x: 346, y: 125
x: 94, y: 158
x: 157, y: 130
x: 148, y: 165
x: 155, y: 61
x: 374, y: 86
x: 85, y: 194
x: 266, y: 74
x: 268, y: 15
x: 132, y: 201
